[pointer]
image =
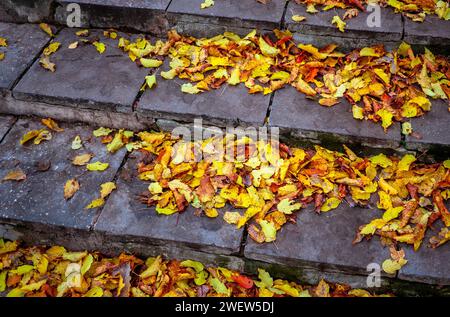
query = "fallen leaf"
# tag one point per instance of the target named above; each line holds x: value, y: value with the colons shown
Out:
x: 81, y: 160
x: 70, y: 188
x: 52, y: 125
x: 76, y: 143
x: 47, y: 64
x: 206, y: 4
x: 339, y: 23
x: 15, y: 175
x: 46, y: 28
x: 106, y: 189
x: 97, y: 166
x: 99, y: 46
x: 298, y: 18
x: 95, y: 203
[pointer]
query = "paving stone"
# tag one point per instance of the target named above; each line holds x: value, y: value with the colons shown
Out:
x: 428, y: 265
x: 6, y: 123
x: 294, y: 113
x: 141, y: 15
x: 323, y: 241
x: 84, y: 78
x: 25, y: 41
x: 226, y: 105
x: 40, y: 198
x: 26, y: 10
x: 230, y: 13
x: 391, y: 26
x: 434, y: 130
x: 123, y: 214
x: 432, y: 32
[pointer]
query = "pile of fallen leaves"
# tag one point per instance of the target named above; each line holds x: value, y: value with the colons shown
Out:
x: 381, y: 86
x: 269, y: 182
x: 54, y: 271
x: 416, y: 10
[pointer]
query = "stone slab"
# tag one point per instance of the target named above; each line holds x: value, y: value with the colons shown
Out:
x: 391, y: 25
x: 230, y: 13
x: 433, y: 129
x: 6, y: 123
x: 117, y: 120
x: 432, y: 32
x: 141, y: 15
x: 40, y: 197
x: 25, y: 41
x: 83, y: 77
x: 31, y: 11
x: 222, y: 106
x: 428, y: 265
x: 125, y: 215
x: 293, y: 112
x: 323, y: 241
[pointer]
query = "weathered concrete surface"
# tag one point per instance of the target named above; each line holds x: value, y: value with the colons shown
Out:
x: 140, y: 15
x: 93, y: 117
x: 224, y: 106
x: 323, y: 242
x: 20, y: 11
x: 434, y: 131
x: 25, y: 41
x: 124, y: 215
x: 39, y: 198
x: 432, y: 32
x: 84, y: 78
x: 391, y: 26
x: 6, y: 123
x: 428, y: 265
x: 305, y: 118
x: 228, y: 13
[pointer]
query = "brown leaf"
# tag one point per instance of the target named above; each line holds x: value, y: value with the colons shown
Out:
x: 71, y: 187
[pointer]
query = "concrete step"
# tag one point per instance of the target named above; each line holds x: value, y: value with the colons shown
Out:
x: 318, y: 246
x: 104, y: 89
x: 157, y: 17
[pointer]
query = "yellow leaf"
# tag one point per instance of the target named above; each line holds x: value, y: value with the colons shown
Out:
x: 269, y: 230
x: 232, y: 217
x: 95, y: 203
x: 384, y: 77
x: 150, y: 63
x: 407, y: 128
x: 165, y: 211
x: 2, y: 56
x: 46, y: 28
x: 330, y: 203
x: 206, y: 4
x: 386, y: 187
x: 190, y: 89
x: 386, y: 118
x: 97, y: 166
x: 82, y: 33
x: 76, y: 143
x: 95, y: 291
x: 82, y: 159
x: 369, y: 52
x: 52, y: 48
x: 116, y: 143
x: 71, y: 187
x: 99, y: 46
x: 51, y: 124
x: 357, y: 112
x: 150, y: 81
x: 266, y: 49
x: 102, y: 132
x: 106, y: 189
x: 304, y: 87
x: 3, y: 42
x: 447, y: 164
x: 298, y: 18
x: 392, y: 213
x: 405, y: 162
x: 391, y: 266
x: 211, y: 212
x: 314, y: 51
x: 339, y: 23
x: 311, y: 8
x: 15, y: 175
x: 373, y: 226
x: 287, y: 206
x: 381, y: 160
